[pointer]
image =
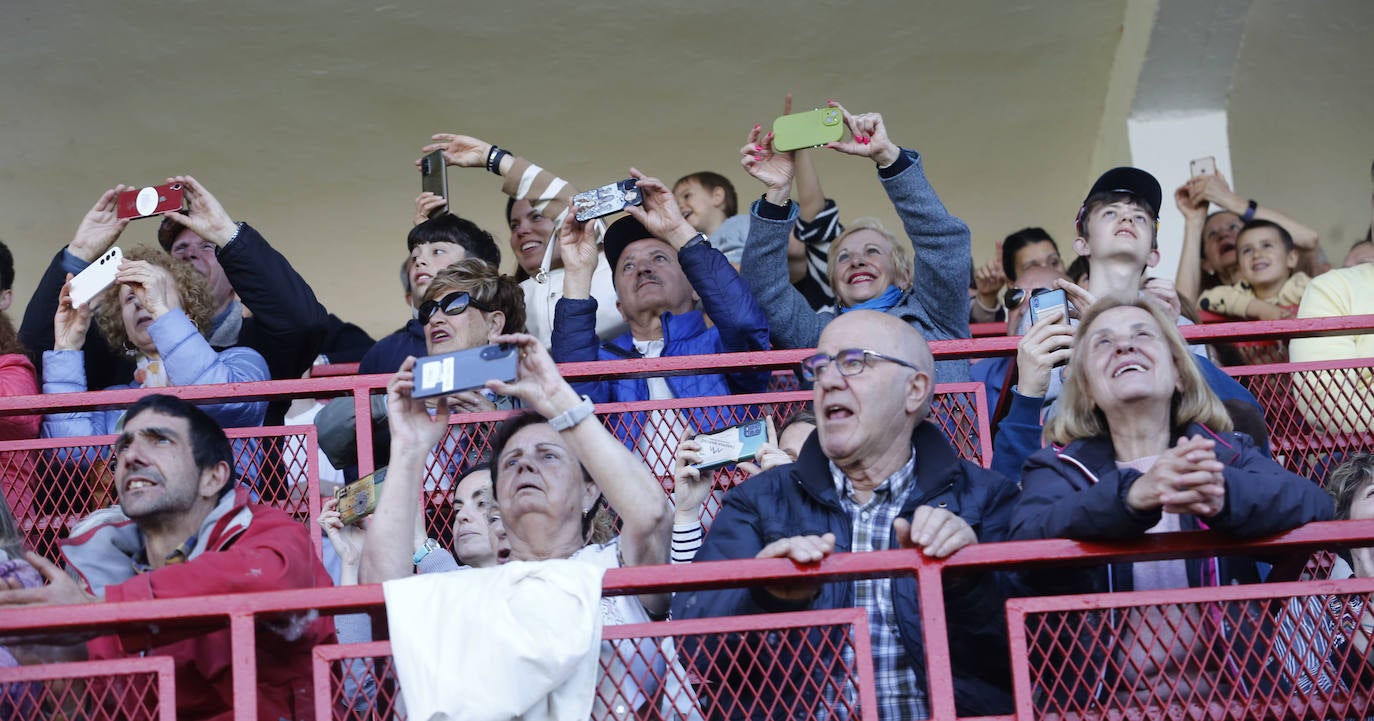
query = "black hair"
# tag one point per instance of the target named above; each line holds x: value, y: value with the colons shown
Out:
x: 450, y: 228
x: 1078, y: 269
x: 6, y: 267
x: 1018, y: 240
x: 1284, y: 235
x: 209, y: 445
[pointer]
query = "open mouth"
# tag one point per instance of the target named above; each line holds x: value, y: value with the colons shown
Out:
x: 837, y: 412
x: 1128, y: 368
x: 864, y: 277
x: 421, y: 279
x: 438, y: 335
x: 530, y: 246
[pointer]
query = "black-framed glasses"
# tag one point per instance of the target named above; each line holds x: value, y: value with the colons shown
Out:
x: 849, y: 362
x: 451, y: 304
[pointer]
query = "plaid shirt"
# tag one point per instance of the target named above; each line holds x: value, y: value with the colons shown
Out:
x: 900, y: 694
x: 180, y: 554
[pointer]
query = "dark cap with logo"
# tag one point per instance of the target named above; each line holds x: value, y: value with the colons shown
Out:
x: 1133, y: 181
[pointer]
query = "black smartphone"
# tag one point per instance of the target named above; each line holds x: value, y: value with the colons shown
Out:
x: 464, y: 370
x: 607, y: 199
x: 1044, y: 300
x: 434, y: 178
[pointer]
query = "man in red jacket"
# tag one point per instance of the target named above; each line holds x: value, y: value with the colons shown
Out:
x: 183, y: 528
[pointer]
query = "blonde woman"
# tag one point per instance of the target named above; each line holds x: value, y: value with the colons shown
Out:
x: 1141, y: 445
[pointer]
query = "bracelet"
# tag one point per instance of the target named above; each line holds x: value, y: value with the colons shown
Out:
x: 1249, y: 213
x: 430, y: 545
x: 238, y: 228
x: 494, y: 158
x: 986, y: 309
x: 698, y: 239
x: 571, y: 417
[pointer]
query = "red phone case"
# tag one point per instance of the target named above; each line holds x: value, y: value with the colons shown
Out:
x: 149, y: 201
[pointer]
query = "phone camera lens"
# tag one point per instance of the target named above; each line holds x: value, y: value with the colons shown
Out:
x: 176, y: 186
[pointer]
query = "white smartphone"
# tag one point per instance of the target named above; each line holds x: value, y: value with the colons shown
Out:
x: 731, y: 445
x: 1202, y: 166
x: 96, y: 277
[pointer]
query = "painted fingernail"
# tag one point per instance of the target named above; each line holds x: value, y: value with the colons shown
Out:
x: 757, y: 126
x: 758, y: 147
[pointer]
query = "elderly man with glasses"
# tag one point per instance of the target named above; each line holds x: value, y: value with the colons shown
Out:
x: 878, y: 474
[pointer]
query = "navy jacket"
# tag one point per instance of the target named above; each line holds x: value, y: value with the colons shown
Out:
x: 387, y: 354
x: 1078, y: 492
x: 740, y: 325
x: 800, y: 498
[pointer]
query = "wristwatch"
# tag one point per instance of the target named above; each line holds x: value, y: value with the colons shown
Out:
x: 571, y: 417
x: 424, y: 550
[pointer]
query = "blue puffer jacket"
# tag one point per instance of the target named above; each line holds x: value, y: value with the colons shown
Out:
x: 740, y: 325
x: 800, y: 498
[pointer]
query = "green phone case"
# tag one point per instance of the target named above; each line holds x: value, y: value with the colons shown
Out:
x: 808, y: 129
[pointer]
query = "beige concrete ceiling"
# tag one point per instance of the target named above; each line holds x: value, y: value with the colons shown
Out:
x: 304, y: 117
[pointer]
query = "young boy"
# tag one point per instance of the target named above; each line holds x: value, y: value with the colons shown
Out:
x: 1269, y: 287
x: 709, y: 204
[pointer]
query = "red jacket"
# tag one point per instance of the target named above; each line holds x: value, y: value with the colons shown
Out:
x: 243, y: 548
x: 17, y: 378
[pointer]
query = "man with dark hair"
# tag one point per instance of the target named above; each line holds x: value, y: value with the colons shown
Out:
x: 1025, y: 249
x: 661, y: 268
x: 434, y: 244
x: 182, y: 528
x: 261, y: 302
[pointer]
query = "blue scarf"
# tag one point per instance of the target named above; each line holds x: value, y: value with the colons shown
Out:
x: 883, y: 302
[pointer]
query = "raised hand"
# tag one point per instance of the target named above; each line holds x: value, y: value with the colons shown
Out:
x: 660, y: 213
x: 537, y: 382
x: 868, y: 138
x: 578, y: 246
x: 461, y: 150
x: 988, y: 280
x: 1188, y: 198
x: 1047, y: 344
x: 426, y: 203
x: 936, y: 531
x: 347, y: 540
x: 70, y: 324
x: 409, y: 420
x: 100, y: 228
x: 206, y: 216
x: 690, y: 490
x: 153, y: 286
x: 772, y: 168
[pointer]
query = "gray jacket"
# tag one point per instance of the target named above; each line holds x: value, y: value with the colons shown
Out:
x: 936, y: 304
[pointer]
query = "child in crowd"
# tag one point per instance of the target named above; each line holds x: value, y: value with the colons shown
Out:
x: 1269, y: 287
x: 711, y: 206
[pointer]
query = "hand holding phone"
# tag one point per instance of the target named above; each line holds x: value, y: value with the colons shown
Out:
x: 731, y: 445
x: 1202, y: 166
x: 1045, y: 300
x: 97, y: 276
x: 434, y: 179
x: 608, y: 199
x: 810, y: 129
x: 463, y: 370
x: 150, y: 201
x: 358, y: 499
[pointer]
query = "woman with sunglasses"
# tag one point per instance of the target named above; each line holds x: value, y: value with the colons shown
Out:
x: 465, y: 306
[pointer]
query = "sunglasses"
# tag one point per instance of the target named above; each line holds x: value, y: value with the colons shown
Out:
x: 451, y: 304
x: 1014, y: 297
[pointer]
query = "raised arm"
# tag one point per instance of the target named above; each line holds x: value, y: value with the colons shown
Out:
x: 1311, y: 258
x: 632, y: 492
x: 1193, y: 207
x: 391, y: 533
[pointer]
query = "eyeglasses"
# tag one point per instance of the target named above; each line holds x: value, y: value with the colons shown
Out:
x: 849, y: 362
x: 451, y: 304
x: 1014, y: 297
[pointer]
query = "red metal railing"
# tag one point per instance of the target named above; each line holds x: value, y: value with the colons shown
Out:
x: 239, y: 613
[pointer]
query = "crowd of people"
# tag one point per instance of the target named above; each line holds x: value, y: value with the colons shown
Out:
x: 1108, y: 424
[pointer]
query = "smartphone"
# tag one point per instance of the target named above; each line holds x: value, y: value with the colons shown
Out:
x: 607, y: 199
x: 154, y: 200
x: 434, y: 178
x: 1045, y: 300
x: 463, y: 370
x: 807, y: 130
x: 1202, y: 166
x: 96, y: 277
x: 731, y: 445
x: 358, y: 499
